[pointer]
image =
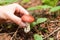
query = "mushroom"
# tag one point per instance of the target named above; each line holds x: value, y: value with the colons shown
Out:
x: 28, y: 19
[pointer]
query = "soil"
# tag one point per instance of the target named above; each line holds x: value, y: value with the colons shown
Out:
x: 50, y: 28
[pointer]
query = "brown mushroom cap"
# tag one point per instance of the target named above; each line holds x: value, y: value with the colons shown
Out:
x: 27, y: 18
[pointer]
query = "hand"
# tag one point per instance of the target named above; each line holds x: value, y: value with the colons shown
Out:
x: 7, y: 13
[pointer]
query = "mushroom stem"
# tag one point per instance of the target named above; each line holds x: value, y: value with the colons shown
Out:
x: 27, y: 29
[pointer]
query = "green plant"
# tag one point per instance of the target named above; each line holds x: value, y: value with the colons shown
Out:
x: 39, y: 20
x: 51, y: 38
x: 54, y: 9
x: 3, y: 2
x: 50, y: 2
x: 37, y: 37
x: 39, y: 7
x: 25, y: 1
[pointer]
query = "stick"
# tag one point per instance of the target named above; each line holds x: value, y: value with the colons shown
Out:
x: 14, y: 33
x: 53, y: 32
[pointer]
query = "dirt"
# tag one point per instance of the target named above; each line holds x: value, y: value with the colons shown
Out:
x: 8, y: 31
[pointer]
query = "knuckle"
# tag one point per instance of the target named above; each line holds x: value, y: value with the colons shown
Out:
x: 16, y: 4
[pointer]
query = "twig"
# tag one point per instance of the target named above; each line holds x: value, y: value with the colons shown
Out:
x: 53, y: 32
x: 54, y: 21
x: 6, y: 33
x: 14, y: 33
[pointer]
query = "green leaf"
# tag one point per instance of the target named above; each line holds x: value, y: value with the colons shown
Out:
x: 37, y: 37
x: 46, y: 7
x: 3, y: 2
x: 50, y: 2
x: 32, y: 24
x: 45, y: 1
x: 39, y: 7
x: 54, y: 9
x: 25, y: 1
x: 40, y: 20
x: 51, y: 38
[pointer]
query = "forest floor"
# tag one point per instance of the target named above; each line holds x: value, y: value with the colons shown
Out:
x: 48, y: 29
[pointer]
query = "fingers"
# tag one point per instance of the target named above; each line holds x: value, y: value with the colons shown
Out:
x: 17, y: 20
x: 9, y: 13
x: 21, y: 9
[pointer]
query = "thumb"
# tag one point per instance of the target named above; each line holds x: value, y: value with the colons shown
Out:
x: 17, y: 20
